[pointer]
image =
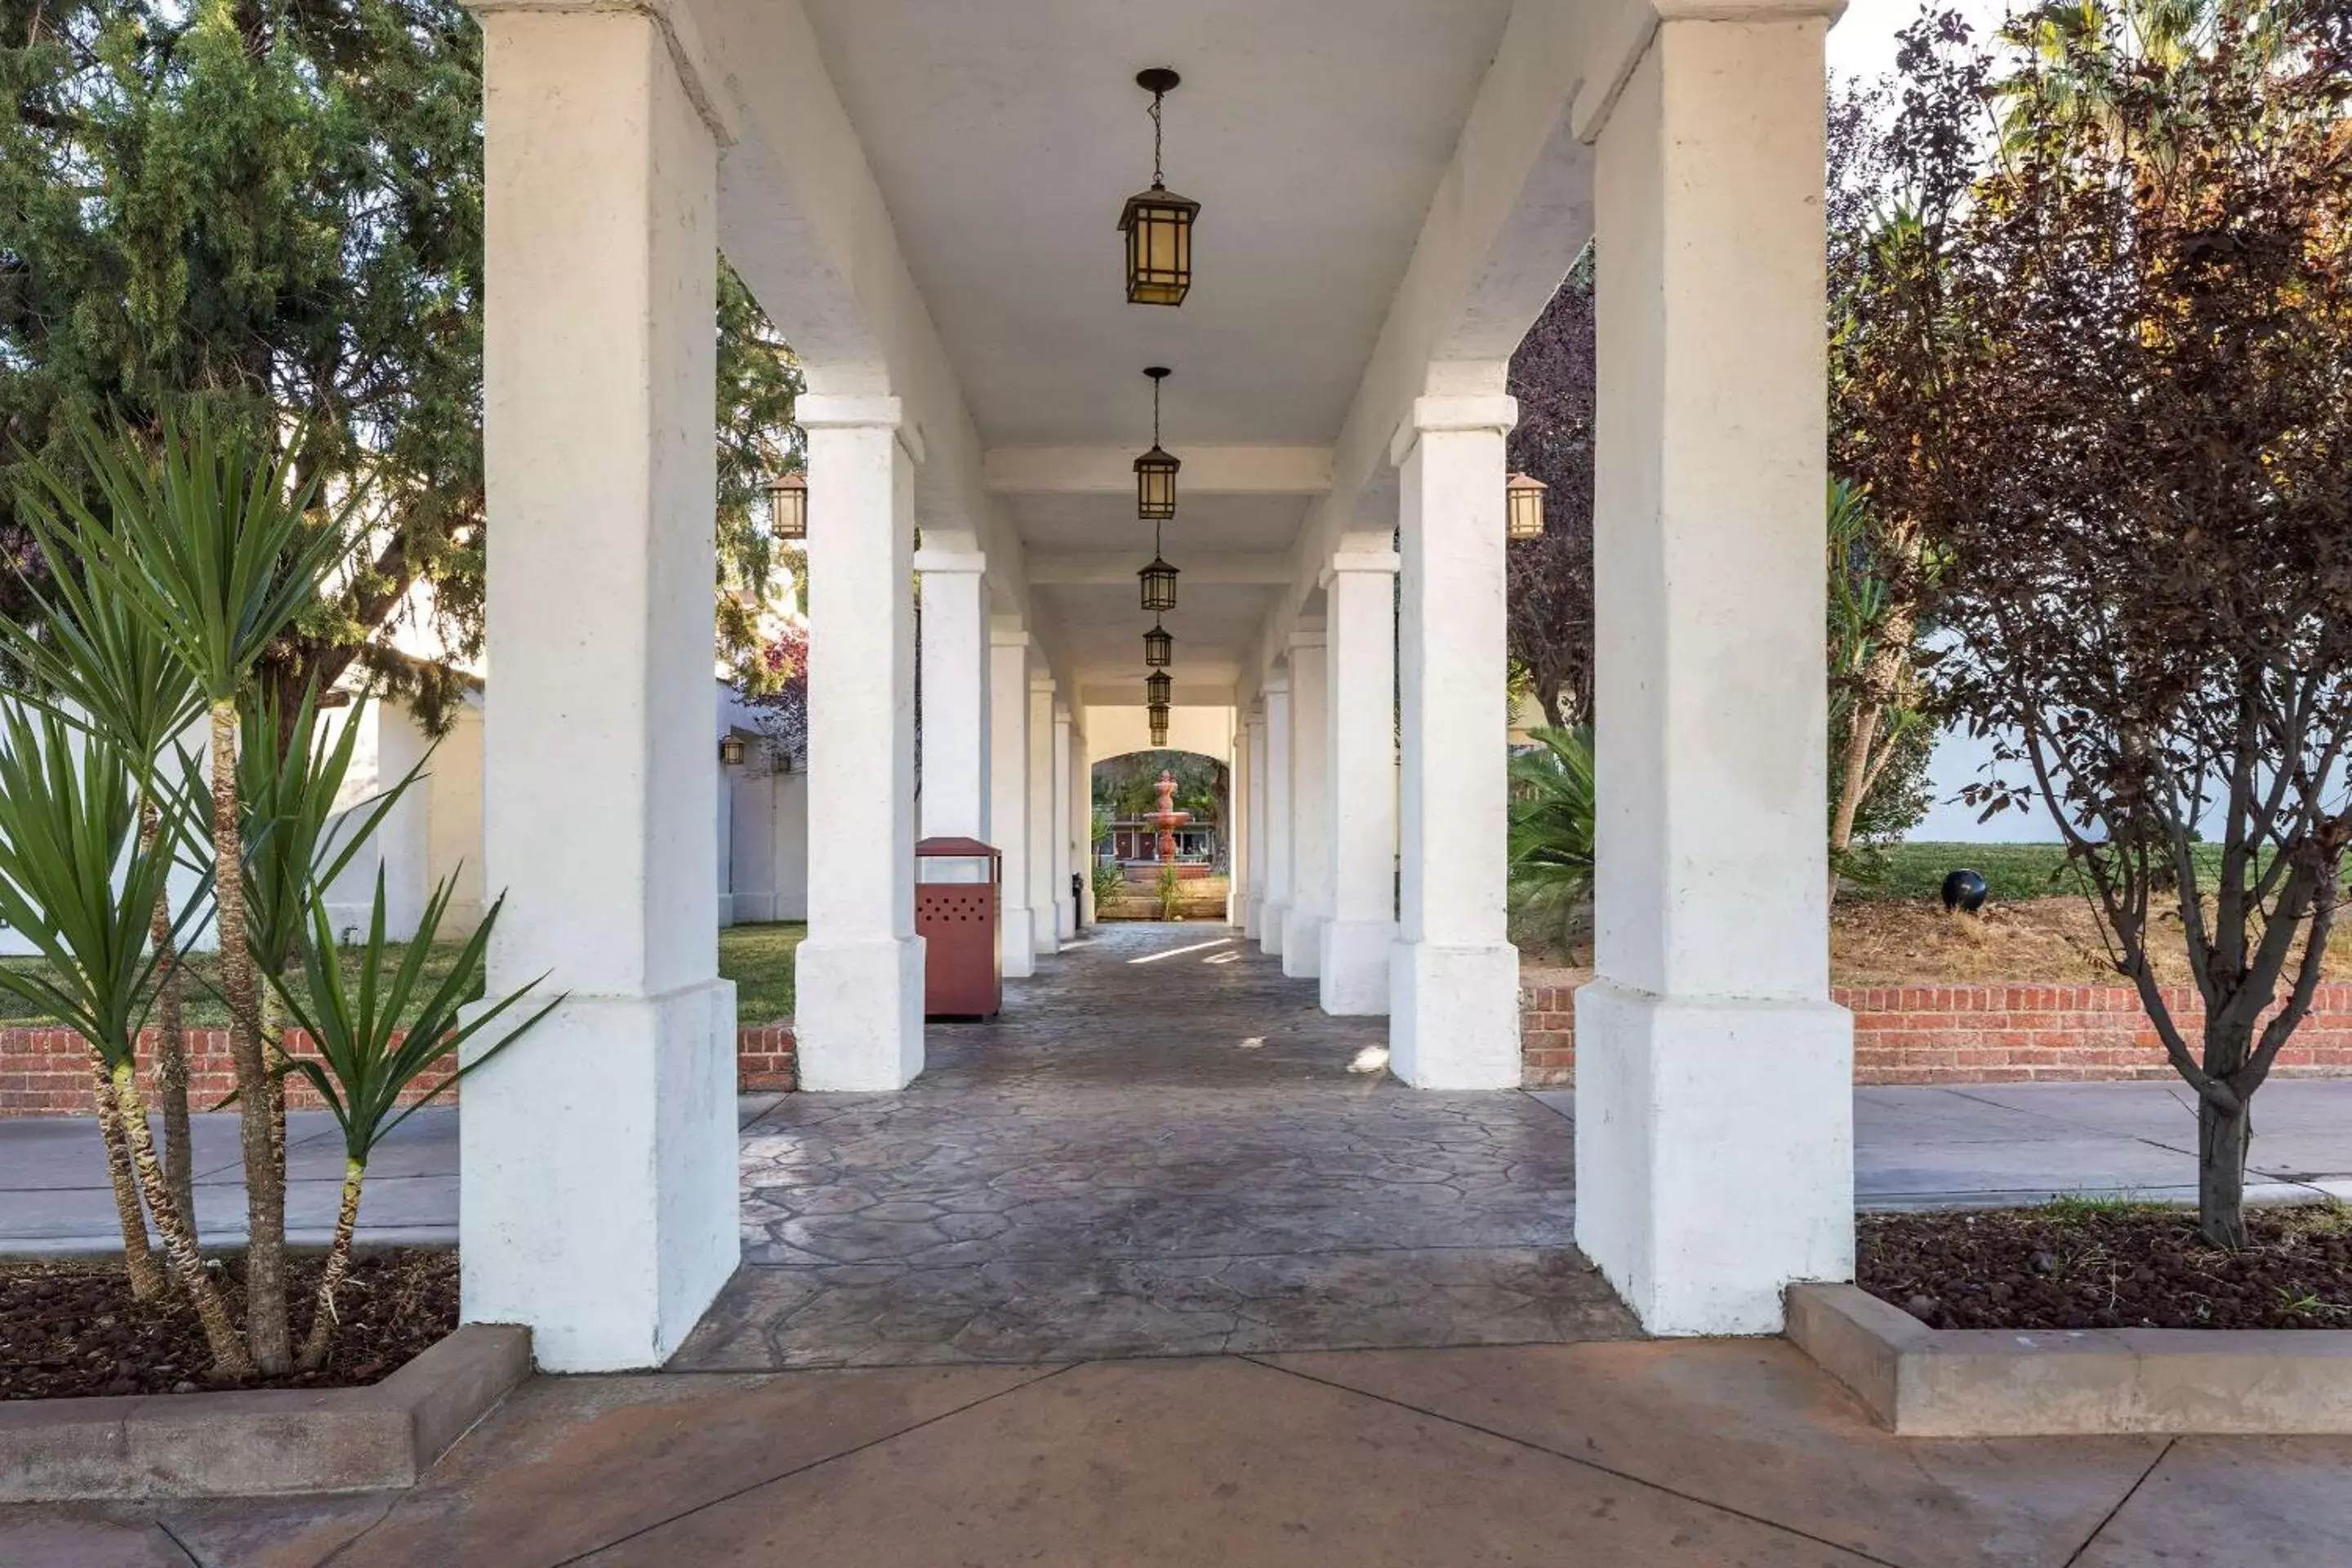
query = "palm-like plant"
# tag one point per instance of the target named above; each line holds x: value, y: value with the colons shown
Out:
x: 213, y: 547
x: 368, y: 1057
x: 1551, y: 835
x: 78, y: 880
x: 91, y: 660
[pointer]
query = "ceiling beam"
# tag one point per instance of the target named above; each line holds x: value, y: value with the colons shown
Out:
x: 1130, y: 695
x: 1116, y: 568
x: 1110, y: 470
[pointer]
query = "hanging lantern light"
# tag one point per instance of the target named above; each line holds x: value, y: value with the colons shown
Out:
x: 1522, y: 501
x: 1158, y: 647
x: 788, y: 505
x: 1158, y: 223
x: 1159, y: 581
x: 1155, y: 471
x: 1158, y: 689
x: 1158, y: 713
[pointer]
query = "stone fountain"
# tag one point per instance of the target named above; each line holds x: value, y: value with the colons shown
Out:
x: 1168, y: 819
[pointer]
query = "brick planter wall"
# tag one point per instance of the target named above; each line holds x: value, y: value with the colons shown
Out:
x: 47, y: 1073
x: 1982, y: 1034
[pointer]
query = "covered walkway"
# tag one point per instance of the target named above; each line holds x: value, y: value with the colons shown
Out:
x: 1161, y: 1147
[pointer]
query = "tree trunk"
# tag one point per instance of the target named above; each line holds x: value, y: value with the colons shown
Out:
x: 273, y: 1061
x: 147, y: 1281
x: 264, y: 1178
x: 2222, y: 1137
x: 229, y: 1357
x: 1856, y: 781
x: 339, y: 1262
x: 171, y: 1049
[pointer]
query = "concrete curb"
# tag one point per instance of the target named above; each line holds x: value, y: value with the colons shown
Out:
x: 1920, y: 1382
x: 248, y: 1443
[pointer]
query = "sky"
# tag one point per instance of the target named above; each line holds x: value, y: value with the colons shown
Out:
x: 1863, y: 42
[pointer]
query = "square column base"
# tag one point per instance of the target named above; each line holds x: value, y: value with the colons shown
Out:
x: 1272, y: 917
x: 1714, y: 1153
x: 1045, y: 938
x: 1016, y: 934
x: 596, y: 1191
x: 1454, y: 1016
x: 1302, y: 943
x: 1355, y: 967
x: 1066, y: 919
x: 857, y: 1014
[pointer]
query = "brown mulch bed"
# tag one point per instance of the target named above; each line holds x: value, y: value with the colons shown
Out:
x: 69, y: 1327
x: 2094, y: 1266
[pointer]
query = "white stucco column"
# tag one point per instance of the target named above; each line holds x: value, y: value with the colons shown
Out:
x: 955, y: 692
x: 1714, y: 1078
x: 1008, y: 791
x: 1360, y: 616
x: 1082, y: 825
x: 1310, y: 806
x: 858, y: 1008
x: 598, y: 1156
x: 1043, y: 831
x: 1065, y: 906
x: 1253, y: 820
x: 1275, y: 911
x: 1455, y: 978
x: 1236, y: 828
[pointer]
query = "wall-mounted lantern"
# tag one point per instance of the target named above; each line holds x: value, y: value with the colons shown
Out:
x: 1524, y: 501
x: 788, y: 505
x: 1155, y: 471
x: 1158, y: 223
x: 1158, y: 647
x: 732, y: 750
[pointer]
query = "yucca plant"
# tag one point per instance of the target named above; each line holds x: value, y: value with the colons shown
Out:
x: 214, y: 546
x: 1550, y: 842
x: 75, y: 879
x: 374, y: 1037
x: 87, y: 656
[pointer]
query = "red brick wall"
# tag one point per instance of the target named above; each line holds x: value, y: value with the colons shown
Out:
x: 47, y: 1073
x: 1983, y: 1034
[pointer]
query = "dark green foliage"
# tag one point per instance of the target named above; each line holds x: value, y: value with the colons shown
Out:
x: 1551, y: 839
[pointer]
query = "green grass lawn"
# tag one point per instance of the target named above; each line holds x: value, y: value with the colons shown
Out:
x: 758, y: 958
x: 2012, y: 872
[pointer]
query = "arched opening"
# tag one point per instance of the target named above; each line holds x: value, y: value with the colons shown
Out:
x: 1162, y: 835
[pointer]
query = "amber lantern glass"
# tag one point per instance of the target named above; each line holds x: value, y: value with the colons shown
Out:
x: 1524, y: 498
x: 788, y: 506
x: 1159, y: 648
x: 1158, y: 222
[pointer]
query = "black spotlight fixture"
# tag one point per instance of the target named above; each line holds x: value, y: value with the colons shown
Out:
x: 1158, y: 223
x: 1155, y: 471
x: 1158, y: 647
x: 1963, y: 890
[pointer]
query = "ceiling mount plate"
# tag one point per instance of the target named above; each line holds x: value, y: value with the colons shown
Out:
x: 1158, y: 79
x: 1157, y: 371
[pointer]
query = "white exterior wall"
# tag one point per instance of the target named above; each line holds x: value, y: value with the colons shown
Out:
x: 597, y: 1194
x: 1714, y: 1078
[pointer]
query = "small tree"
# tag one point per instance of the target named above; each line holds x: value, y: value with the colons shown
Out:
x: 2128, y: 387
x: 1549, y: 626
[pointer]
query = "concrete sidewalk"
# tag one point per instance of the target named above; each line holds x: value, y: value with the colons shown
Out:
x: 1981, y: 1146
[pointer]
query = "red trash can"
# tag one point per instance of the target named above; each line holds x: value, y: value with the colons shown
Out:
x: 958, y: 900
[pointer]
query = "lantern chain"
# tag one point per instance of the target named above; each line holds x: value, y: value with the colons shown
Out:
x: 1158, y: 179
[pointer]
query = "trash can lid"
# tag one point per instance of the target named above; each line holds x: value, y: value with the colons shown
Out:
x: 949, y: 845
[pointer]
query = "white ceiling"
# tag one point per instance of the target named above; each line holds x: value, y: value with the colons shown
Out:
x: 1005, y: 134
